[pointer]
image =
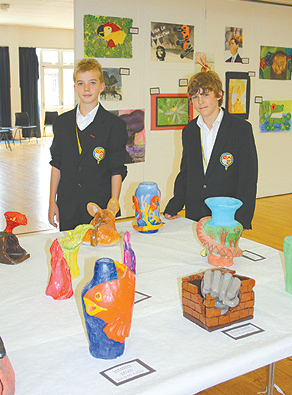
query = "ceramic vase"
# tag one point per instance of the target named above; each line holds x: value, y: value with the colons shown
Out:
x: 287, y: 248
x: 147, y: 208
x: 108, y: 301
x: 220, y: 233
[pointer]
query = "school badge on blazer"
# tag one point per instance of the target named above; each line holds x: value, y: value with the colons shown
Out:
x: 98, y: 154
x: 226, y: 160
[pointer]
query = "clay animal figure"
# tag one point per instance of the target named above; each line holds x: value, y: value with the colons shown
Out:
x: 104, y: 232
x: 7, y: 376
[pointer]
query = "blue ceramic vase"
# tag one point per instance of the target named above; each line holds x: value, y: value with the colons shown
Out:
x: 100, y: 346
x: 147, y: 208
x: 220, y: 233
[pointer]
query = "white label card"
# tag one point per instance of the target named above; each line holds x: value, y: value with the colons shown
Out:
x: 127, y: 371
x: 242, y: 331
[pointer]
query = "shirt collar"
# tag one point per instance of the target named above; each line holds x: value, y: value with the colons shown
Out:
x: 201, y: 123
x: 89, y: 115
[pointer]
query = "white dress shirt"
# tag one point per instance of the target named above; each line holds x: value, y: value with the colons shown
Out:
x: 208, y: 137
x: 84, y: 121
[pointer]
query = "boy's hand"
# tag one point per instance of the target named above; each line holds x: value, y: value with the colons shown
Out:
x: 168, y: 216
x: 53, y: 214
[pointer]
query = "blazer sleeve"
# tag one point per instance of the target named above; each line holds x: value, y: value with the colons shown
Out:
x: 177, y: 202
x: 117, y: 148
x: 247, y: 177
x: 56, y: 144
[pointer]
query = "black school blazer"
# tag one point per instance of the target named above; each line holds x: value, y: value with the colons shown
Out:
x: 239, y: 180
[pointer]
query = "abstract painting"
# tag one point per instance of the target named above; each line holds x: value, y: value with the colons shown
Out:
x: 171, y: 42
x: 275, y: 116
x: 107, y: 37
x: 170, y: 111
x: 275, y: 63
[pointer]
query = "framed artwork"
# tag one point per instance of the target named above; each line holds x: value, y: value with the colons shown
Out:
x: 107, y: 37
x: 113, y: 84
x: 237, y: 93
x: 275, y: 63
x: 204, y: 62
x: 275, y: 116
x: 136, y: 144
x: 233, y: 44
x: 171, y: 42
x: 170, y: 111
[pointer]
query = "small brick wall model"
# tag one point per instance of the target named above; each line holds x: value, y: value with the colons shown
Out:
x: 202, y: 311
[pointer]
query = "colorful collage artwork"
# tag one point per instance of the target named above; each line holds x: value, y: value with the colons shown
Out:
x: 171, y: 42
x: 275, y: 116
x: 107, y: 37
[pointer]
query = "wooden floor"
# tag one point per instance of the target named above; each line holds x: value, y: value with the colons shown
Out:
x: 24, y: 187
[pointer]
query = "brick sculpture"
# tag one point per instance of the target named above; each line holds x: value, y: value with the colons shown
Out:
x: 202, y: 311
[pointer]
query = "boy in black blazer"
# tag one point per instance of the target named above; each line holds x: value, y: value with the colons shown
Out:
x: 219, y: 156
x: 88, y: 152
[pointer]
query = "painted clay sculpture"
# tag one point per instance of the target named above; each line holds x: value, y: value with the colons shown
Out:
x: 60, y: 283
x: 11, y: 253
x: 220, y: 233
x: 217, y: 298
x: 287, y: 249
x: 147, y: 208
x: 108, y: 301
x: 129, y: 255
x: 70, y: 246
x: 104, y: 232
x: 7, y: 376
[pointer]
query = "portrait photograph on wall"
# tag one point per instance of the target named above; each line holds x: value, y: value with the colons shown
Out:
x: 233, y: 44
x: 275, y: 116
x: 171, y: 42
x: 107, y: 37
x: 275, y: 63
x: 113, y: 84
x: 237, y: 93
x: 204, y: 62
x: 170, y: 111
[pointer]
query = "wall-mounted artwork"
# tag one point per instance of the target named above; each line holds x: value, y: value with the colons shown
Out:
x: 136, y: 134
x: 173, y: 111
x: 275, y: 63
x: 237, y: 95
x: 107, y: 37
x: 171, y: 42
x: 113, y: 84
x: 204, y: 62
x: 233, y: 44
x: 275, y: 116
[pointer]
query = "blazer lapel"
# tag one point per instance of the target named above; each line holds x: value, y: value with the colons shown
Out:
x: 89, y: 140
x: 222, y: 136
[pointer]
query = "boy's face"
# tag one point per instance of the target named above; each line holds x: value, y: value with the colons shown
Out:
x: 88, y: 87
x: 206, y: 104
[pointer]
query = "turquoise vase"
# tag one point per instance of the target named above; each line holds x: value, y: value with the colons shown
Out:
x: 147, y: 208
x: 287, y: 248
x: 220, y: 233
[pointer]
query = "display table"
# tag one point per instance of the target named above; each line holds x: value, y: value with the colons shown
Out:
x: 46, y: 341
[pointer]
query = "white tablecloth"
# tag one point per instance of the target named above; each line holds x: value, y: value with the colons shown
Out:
x: 47, y: 344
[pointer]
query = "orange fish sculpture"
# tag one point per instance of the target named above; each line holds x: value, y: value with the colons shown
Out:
x: 108, y: 301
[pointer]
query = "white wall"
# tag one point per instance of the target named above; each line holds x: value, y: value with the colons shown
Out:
x: 263, y: 25
x: 22, y: 36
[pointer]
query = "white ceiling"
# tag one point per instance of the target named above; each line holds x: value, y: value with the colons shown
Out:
x: 44, y: 13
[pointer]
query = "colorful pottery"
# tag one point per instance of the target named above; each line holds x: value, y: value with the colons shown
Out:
x: 108, y: 301
x: 287, y: 248
x: 11, y: 253
x: 60, y: 283
x: 220, y: 233
x: 104, y: 232
x: 70, y: 246
x: 147, y: 208
x: 7, y: 376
